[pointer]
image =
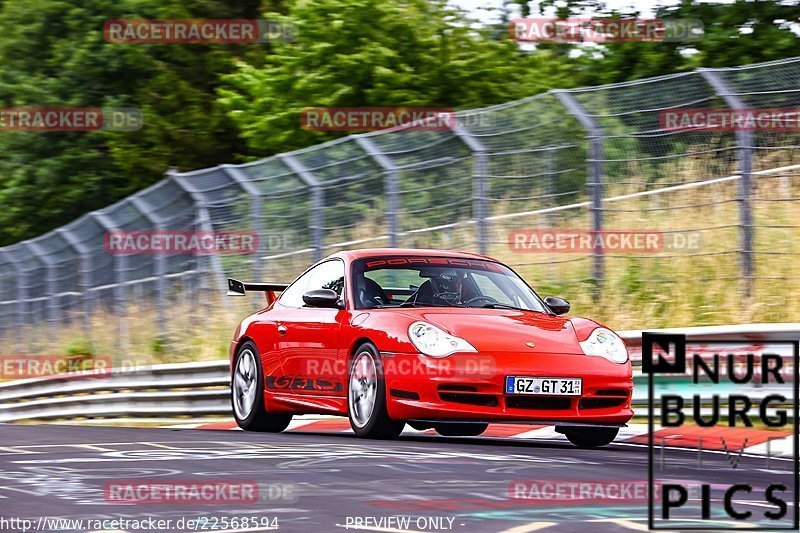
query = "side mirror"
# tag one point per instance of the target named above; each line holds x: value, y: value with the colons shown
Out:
x: 557, y: 305
x: 325, y: 298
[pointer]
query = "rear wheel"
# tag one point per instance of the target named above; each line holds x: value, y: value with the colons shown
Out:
x: 460, y: 429
x: 588, y: 437
x: 247, y: 394
x: 366, y: 397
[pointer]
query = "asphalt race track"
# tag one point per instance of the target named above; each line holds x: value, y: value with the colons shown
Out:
x: 333, y: 481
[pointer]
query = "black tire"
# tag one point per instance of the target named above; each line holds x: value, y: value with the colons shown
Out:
x: 258, y: 419
x: 588, y: 437
x: 376, y: 424
x: 460, y: 429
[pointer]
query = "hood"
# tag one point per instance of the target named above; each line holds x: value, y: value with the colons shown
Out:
x: 503, y: 330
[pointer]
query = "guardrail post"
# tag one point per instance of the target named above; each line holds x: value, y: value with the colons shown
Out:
x: 317, y: 216
x: 480, y: 169
x: 596, y: 179
x: 744, y: 142
x: 391, y: 186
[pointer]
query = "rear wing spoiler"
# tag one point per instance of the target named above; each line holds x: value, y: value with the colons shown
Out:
x: 238, y: 288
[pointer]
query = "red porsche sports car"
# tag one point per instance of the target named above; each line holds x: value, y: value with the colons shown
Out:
x: 435, y: 339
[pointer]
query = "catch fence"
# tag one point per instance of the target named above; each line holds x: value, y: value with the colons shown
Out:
x: 594, y: 159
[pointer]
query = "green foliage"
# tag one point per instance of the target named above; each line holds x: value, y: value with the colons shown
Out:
x: 739, y: 33
x: 352, y: 53
x: 53, y: 54
x: 79, y: 347
x: 158, y: 346
x: 207, y: 104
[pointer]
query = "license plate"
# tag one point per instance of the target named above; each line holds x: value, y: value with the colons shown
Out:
x: 546, y: 386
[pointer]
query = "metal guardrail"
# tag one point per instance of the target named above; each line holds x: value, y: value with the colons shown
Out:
x: 201, y: 389
x: 172, y: 390
x: 747, y: 332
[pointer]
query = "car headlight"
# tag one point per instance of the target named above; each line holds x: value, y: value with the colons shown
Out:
x: 605, y: 343
x: 434, y: 342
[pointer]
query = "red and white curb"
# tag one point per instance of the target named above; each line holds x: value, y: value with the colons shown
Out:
x: 753, y: 441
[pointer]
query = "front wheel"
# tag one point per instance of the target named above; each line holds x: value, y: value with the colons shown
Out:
x: 588, y: 437
x: 247, y: 394
x: 366, y: 397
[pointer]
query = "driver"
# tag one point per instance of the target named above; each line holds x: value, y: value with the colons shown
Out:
x: 447, y: 287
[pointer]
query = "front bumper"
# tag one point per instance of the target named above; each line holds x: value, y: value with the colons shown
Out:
x: 472, y: 387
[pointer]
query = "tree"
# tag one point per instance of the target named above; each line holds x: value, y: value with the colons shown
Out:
x: 208, y: 104
x: 373, y: 53
x: 53, y: 54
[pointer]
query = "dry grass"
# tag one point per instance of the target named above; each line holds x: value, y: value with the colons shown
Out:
x: 678, y: 287
x: 189, y: 332
x: 672, y: 288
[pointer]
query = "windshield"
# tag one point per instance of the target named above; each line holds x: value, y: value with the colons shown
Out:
x: 439, y: 282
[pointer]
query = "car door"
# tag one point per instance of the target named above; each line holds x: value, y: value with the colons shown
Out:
x: 308, y: 337
x: 272, y: 321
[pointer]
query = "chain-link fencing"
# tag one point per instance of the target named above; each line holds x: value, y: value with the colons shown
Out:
x: 596, y: 159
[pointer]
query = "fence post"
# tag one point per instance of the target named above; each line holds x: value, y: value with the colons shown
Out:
x: 744, y: 142
x: 21, y: 296
x: 480, y: 169
x: 50, y: 278
x: 596, y: 178
x: 159, y: 263
x: 255, y: 211
x: 82, y: 251
x: 22, y: 299
x: 317, y: 201
x: 391, y: 186
x: 120, y: 268
x: 202, y: 221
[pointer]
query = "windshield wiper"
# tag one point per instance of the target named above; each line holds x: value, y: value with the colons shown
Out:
x: 422, y: 304
x: 502, y: 306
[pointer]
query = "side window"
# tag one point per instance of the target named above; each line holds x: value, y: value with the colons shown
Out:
x: 328, y: 275
x: 293, y: 296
